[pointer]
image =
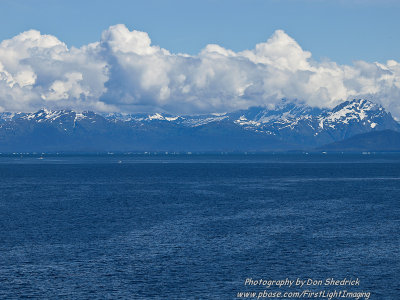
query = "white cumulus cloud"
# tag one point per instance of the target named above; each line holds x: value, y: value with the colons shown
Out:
x: 125, y: 72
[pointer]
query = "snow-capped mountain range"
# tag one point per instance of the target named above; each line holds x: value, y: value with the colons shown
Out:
x: 290, y: 125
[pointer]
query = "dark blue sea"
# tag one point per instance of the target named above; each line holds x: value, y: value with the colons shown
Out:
x: 198, y: 226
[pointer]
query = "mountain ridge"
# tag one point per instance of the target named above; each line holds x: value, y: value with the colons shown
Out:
x: 374, y: 141
x: 290, y: 125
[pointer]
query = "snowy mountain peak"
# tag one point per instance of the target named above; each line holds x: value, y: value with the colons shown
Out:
x: 43, y: 115
x: 285, y: 111
x: 296, y: 109
x: 158, y: 116
x: 48, y: 116
x: 358, y: 104
x: 356, y: 111
x: 290, y: 122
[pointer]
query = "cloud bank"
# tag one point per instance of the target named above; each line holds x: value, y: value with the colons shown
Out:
x: 124, y: 72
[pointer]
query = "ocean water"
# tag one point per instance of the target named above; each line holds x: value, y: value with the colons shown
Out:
x: 197, y: 226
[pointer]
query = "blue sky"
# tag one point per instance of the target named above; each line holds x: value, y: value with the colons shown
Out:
x: 186, y: 56
x: 342, y: 31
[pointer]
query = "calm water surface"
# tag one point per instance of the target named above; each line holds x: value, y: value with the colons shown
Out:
x: 196, y: 226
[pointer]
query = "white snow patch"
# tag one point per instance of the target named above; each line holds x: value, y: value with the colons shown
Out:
x: 156, y: 116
